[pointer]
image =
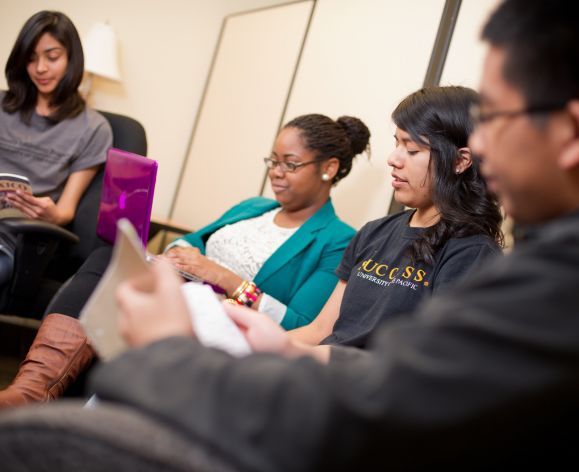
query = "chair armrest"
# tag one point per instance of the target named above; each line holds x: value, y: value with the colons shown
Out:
x: 160, y: 224
x: 29, y: 226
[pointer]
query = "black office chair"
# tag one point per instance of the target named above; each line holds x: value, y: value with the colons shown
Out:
x: 47, y: 255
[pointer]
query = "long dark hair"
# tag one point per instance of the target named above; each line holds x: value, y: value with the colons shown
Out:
x: 343, y: 139
x: 22, y: 93
x: 438, y: 117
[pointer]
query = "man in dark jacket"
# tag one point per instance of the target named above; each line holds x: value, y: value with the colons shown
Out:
x: 484, y: 376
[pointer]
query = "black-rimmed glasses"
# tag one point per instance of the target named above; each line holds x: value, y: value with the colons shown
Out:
x: 479, y: 117
x: 286, y: 166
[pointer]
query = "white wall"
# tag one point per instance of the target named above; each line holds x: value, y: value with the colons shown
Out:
x: 165, y: 53
x: 241, y: 111
x: 464, y: 62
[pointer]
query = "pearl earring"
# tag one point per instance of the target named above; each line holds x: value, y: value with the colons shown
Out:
x: 325, y: 177
x: 457, y: 171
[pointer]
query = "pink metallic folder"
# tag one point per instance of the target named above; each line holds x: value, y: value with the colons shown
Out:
x: 127, y: 192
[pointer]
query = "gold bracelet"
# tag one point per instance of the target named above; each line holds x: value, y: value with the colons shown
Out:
x: 239, y: 290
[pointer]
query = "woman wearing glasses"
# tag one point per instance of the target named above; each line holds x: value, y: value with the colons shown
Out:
x: 279, y: 256
x: 276, y: 256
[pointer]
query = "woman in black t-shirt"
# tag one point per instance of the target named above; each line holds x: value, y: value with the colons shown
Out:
x: 396, y: 261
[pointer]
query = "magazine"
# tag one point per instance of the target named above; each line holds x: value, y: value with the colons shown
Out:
x: 10, y: 183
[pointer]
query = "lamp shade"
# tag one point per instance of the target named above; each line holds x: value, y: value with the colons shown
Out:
x: 100, y: 52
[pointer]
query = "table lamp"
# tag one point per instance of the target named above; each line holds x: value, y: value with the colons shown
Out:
x: 100, y: 55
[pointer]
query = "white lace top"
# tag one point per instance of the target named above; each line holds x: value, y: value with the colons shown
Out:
x: 243, y: 248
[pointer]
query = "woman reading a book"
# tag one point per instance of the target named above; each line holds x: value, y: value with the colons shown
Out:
x: 47, y: 133
x: 278, y: 256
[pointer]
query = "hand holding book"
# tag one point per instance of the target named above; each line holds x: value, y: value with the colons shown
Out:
x: 38, y: 208
x: 17, y: 201
x: 10, y: 184
x: 151, y: 307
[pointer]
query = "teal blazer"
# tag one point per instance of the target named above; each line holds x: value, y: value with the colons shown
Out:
x: 300, y: 274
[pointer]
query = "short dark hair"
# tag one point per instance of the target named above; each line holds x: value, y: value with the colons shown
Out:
x: 541, y: 41
x: 439, y: 118
x: 22, y: 93
x: 343, y: 139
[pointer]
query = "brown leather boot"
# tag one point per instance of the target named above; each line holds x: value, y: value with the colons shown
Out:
x: 58, y: 354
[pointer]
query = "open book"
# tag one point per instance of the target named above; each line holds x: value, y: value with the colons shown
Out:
x: 10, y: 183
x: 100, y: 315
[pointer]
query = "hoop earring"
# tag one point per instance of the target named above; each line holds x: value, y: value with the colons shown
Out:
x: 325, y: 177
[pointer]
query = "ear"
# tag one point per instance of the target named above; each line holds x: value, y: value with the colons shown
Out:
x: 463, y: 160
x: 331, y: 167
x: 569, y: 158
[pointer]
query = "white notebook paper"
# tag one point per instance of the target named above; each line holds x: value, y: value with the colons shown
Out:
x: 210, y: 322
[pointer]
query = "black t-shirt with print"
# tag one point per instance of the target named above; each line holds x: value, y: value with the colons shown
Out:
x: 383, y: 282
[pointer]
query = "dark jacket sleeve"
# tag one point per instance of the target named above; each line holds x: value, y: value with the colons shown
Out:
x: 474, y: 375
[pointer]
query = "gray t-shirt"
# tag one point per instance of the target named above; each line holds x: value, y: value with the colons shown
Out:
x: 48, y: 153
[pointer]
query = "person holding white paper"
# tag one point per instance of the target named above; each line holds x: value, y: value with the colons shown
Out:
x: 483, y: 376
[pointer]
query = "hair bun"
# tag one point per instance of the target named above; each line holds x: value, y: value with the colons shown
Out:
x: 357, y: 132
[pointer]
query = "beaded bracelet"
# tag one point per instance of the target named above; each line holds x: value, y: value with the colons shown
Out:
x: 246, y: 294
